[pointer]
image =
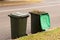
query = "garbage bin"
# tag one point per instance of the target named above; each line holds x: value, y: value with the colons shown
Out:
x: 18, y: 24
x: 37, y: 21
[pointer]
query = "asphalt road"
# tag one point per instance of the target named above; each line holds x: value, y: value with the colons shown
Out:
x: 52, y: 8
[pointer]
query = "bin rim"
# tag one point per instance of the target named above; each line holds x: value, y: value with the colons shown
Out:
x: 19, y: 15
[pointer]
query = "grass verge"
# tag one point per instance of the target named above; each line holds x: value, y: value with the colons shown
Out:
x: 47, y: 35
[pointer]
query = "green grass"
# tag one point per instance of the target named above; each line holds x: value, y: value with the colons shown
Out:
x: 47, y: 35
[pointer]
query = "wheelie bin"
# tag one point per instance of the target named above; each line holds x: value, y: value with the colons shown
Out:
x: 18, y: 24
x: 40, y: 21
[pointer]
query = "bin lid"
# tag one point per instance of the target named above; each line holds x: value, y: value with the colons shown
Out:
x: 45, y: 21
x: 18, y: 14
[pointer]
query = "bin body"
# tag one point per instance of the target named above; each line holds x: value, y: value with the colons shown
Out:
x: 35, y: 23
x: 18, y: 26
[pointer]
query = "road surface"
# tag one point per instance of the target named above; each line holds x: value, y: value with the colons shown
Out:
x: 53, y: 8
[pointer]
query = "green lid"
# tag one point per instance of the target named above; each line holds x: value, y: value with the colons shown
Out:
x: 45, y: 21
x: 18, y: 14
